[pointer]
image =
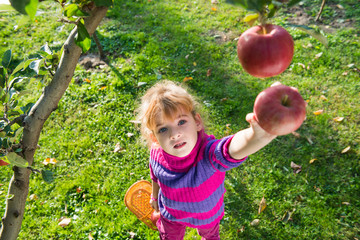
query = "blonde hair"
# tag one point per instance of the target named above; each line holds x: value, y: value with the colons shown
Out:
x: 165, y: 99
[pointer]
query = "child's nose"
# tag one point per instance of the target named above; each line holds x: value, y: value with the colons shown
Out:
x: 175, y: 135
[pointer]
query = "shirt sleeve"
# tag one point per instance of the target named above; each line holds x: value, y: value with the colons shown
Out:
x: 219, y: 157
x: 152, y: 175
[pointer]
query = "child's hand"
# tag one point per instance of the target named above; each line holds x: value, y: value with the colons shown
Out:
x: 258, y: 131
x: 154, y: 205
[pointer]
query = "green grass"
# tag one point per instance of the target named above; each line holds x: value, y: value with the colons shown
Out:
x: 146, y: 41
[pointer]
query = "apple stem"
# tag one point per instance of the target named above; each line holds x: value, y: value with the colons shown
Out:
x: 263, y: 29
x: 262, y: 20
x: 284, y: 100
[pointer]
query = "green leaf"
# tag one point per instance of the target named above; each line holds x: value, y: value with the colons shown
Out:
x: 35, y: 65
x: 22, y: 66
x: 19, y: 5
x: 47, y: 175
x: 312, y: 32
x: 82, y: 38
x: 3, y: 73
x: 45, y: 48
x: 103, y: 3
x: 31, y: 8
x: 251, y: 18
x: 272, y: 9
x: 26, y: 109
x: 6, y: 59
x: 73, y: 10
x: 26, y: 7
x: 16, y: 160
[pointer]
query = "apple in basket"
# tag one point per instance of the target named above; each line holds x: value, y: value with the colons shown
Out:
x: 155, y: 216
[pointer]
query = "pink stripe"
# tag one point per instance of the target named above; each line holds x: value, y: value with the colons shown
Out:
x: 214, y: 159
x: 178, y: 214
x: 194, y: 194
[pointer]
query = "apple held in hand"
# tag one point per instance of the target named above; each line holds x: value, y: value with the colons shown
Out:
x: 265, y: 51
x: 155, y: 216
x: 280, y: 109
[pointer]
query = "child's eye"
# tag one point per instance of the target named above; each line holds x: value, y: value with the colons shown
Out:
x: 182, y: 122
x: 162, y: 130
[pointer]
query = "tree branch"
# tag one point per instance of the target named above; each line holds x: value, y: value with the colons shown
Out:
x: 33, y: 124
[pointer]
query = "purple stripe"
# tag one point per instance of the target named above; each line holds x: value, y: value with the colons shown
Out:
x: 195, y: 207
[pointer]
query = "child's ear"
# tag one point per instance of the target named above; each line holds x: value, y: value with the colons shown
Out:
x: 199, y: 122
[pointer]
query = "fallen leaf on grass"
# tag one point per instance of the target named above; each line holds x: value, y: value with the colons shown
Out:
x: 118, y: 148
x: 33, y: 197
x: 262, y: 205
x: 318, y: 112
x: 297, y: 135
x: 345, y: 203
x: 242, y: 229
x: 129, y: 135
x: 295, y: 167
x: 318, y: 55
x: 287, y: 216
x: 49, y: 161
x: 302, y: 65
x: 322, y: 97
x: 312, y: 160
x: 208, y: 73
x: 90, y: 237
x: 64, y: 222
x: 187, y: 79
x: 338, y: 119
x: 317, y: 189
x: 345, y: 150
x: 255, y: 222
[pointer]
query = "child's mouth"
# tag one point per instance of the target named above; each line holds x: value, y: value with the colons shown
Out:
x: 179, y: 145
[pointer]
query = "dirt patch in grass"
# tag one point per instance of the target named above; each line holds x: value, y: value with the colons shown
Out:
x: 299, y: 15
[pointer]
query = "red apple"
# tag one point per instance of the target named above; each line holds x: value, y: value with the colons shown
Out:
x: 280, y: 109
x: 3, y: 163
x: 265, y: 51
x: 155, y: 216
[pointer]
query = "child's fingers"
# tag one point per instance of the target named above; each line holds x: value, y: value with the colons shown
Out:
x: 250, y: 118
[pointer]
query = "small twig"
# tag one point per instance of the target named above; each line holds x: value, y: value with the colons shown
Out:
x: 98, y: 44
x: 321, y: 9
x: 63, y: 20
x: 49, y: 69
x: 34, y: 170
x: 5, y: 119
x: 18, y: 120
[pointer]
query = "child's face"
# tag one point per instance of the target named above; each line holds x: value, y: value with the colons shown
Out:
x: 178, y: 136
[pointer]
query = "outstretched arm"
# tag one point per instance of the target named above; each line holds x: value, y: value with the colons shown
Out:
x: 250, y: 140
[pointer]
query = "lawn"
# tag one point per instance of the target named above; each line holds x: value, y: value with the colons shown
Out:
x: 97, y: 146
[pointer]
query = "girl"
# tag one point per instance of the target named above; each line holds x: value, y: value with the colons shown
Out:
x: 187, y: 166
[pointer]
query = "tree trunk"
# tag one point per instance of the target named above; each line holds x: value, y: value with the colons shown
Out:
x: 33, y: 124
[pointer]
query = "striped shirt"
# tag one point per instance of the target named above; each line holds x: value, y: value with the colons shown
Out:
x: 192, y: 187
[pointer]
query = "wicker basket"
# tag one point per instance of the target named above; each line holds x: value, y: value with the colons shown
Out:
x: 137, y: 200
